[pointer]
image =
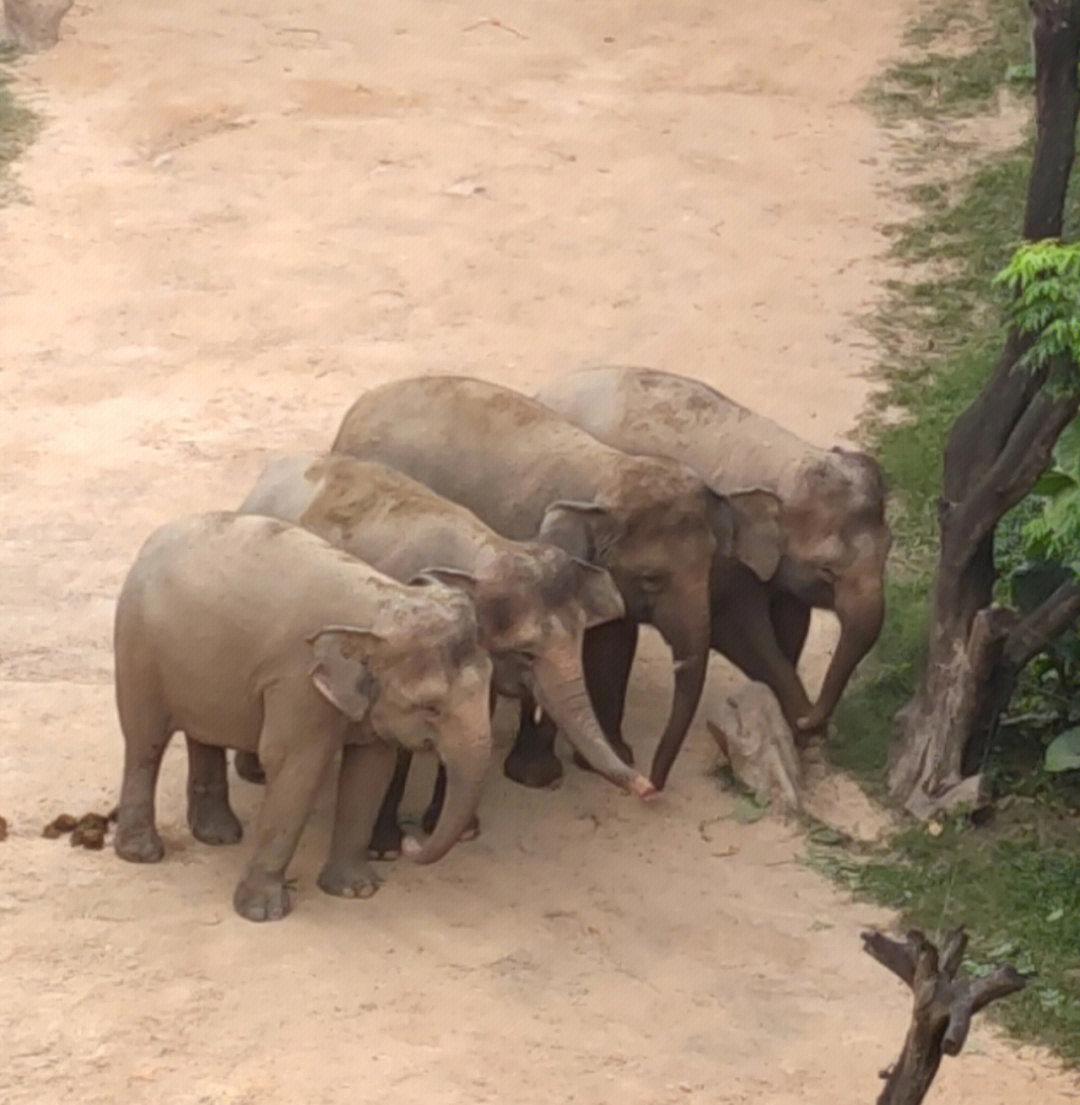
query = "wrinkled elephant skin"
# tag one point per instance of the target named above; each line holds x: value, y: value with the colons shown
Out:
x: 248, y: 633
x: 835, y: 539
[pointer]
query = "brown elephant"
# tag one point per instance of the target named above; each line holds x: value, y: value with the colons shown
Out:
x: 527, y: 472
x: 533, y: 601
x: 831, y: 515
x: 248, y: 633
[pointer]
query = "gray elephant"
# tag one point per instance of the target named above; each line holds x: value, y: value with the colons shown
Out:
x: 248, y: 633
x: 831, y: 515
x: 529, y: 473
x: 533, y: 601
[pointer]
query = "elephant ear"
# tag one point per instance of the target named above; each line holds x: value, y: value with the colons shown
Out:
x: 340, y: 668
x: 597, y: 593
x: 574, y: 527
x: 758, y: 540
x: 451, y: 577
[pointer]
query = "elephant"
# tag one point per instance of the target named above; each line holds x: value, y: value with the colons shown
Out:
x: 528, y: 473
x: 533, y: 601
x: 831, y: 514
x: 248, y: 633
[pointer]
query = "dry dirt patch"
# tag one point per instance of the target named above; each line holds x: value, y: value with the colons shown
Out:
x: 239, y: 217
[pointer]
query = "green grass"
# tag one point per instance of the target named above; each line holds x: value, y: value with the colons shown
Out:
x: 1013, y: 880
x: 1016, y: 889
x: 17, y: 124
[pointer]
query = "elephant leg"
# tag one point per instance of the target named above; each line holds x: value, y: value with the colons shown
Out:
x: 387, y: 836
x: 532, y: 761
x: 248, y: 767
x: 144, y: 721
x: 297, y: 743
x: 208, y: 812
x: 434, y: 810
x: 366, y: 772
x: 607, y: 657
x: 742, y: 630
x: 790, y: 617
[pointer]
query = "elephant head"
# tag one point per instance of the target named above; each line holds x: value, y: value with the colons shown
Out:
x: 656, y: 535
x: 533, y: 603
x: 837, y: 542
x: 426, y: 685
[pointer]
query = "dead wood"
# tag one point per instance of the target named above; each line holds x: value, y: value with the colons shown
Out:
x: 944, y: 1006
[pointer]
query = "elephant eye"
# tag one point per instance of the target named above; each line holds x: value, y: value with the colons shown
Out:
x: 651, y: 582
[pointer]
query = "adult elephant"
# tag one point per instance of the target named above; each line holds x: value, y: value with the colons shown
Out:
x: 831, y: 515
x: 528, y: 472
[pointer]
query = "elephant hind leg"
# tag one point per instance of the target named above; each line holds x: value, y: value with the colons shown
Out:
x: 209, y: 815
x: 145, y: 723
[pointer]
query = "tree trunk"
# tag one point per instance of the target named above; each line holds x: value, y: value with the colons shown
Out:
x: 998, y: 448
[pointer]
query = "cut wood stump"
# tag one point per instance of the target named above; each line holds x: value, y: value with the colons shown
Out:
x: 944, y: 1006
x: 34, y: 24
x: 756, y: 741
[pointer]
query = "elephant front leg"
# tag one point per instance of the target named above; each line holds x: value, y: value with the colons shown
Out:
x: 387, y: 837
x: 294, y: 751
x: 366, y: 772
x: 532, y: 761
x: 209, y: 815
x: 607, y: 657
x: 743, y: 631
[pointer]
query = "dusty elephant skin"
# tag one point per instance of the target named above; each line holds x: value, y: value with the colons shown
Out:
x: 533, y: 601
x: 527, y: 472
x: 248, y: 633
x: 831, y: 516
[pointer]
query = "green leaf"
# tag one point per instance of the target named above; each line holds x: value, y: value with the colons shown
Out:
x: 1063, y: 752
x: 748, y: 810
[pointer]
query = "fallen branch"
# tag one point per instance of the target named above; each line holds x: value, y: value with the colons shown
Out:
x: 944, y: 1006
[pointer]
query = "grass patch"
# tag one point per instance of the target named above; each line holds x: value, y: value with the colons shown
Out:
x: 17, y: 123
x: 1014, y: 880
x: 1014, y: 886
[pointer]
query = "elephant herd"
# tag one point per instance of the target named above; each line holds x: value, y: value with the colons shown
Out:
x: 461, y: 540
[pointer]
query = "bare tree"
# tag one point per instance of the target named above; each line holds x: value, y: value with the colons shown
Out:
x: 998, y: 448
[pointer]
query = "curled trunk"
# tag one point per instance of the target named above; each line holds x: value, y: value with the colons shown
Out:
x: 466, y: 768
x: 690, y: 668
x: 565, y: 698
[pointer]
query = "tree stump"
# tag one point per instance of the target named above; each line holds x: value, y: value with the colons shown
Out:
x: 944, y: 1006
x: 34, y: 24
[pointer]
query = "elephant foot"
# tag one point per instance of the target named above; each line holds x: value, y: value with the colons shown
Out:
x: 621, y: 749
x: 212, y: 821
x: 248, y: 767
x: 139, y: 844
x: 431, y: 819
x: 533, y: 771
x: 386, y: 840
x: 262, y: 897
x: 348, y: 880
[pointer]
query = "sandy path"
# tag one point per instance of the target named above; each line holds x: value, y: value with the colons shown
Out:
x: 238, y: 217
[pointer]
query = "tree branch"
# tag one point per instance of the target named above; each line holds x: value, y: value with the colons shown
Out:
x: 1036, y: 630
x: 1023, y: 458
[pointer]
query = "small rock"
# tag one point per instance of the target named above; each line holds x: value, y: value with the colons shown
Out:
x: 3, y: 828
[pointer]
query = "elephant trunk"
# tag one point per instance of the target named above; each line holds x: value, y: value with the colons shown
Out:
x: 861, y: 611
x: 690, y: 651
x: 466, y: 766
x: 561, y: 691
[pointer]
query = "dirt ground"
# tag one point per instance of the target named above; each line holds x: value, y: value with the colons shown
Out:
x: 239, y: 216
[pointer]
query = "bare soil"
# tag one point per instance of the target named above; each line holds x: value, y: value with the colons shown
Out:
x: 236, y: 218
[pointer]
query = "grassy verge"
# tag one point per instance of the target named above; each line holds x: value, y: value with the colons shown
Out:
x: 1013, y: 879
x: 16, y: 125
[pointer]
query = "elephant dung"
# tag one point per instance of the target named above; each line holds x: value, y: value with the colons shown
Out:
x: 754, y: 738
